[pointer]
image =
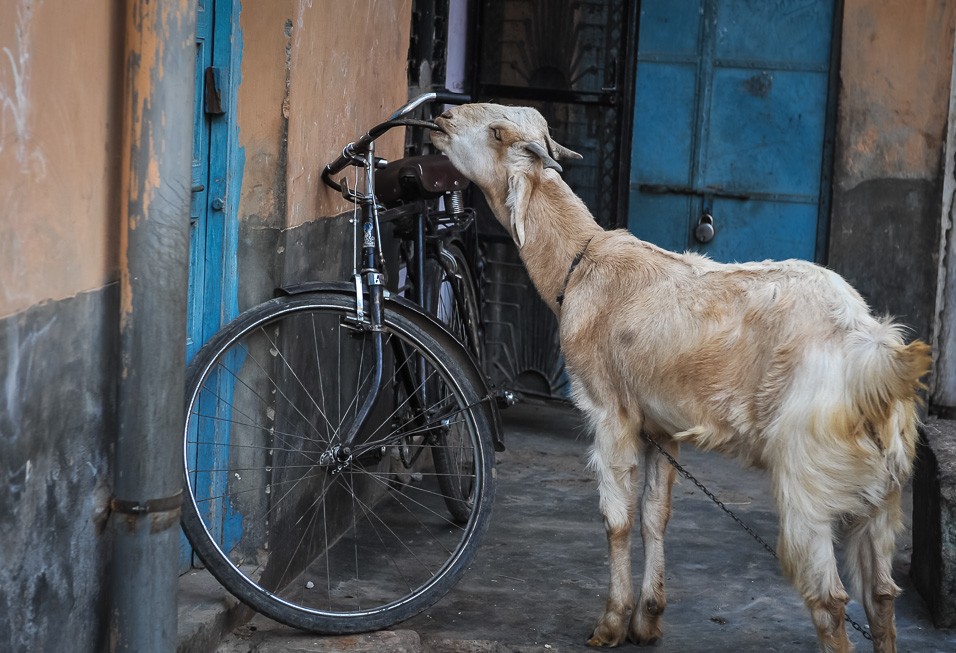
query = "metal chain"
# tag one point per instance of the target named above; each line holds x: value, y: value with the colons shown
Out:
x: 690, y: 477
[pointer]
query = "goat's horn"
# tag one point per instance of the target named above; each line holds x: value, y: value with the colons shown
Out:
x: 560, y: 151
x: 539, y: 150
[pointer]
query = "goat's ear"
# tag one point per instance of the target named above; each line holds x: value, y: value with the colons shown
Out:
x: 542, y: 153
x: 517, y: 201
x: 559, y: 151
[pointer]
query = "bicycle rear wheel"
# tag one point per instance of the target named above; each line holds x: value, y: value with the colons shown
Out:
x: 452, y: 296
x: 311, y: 538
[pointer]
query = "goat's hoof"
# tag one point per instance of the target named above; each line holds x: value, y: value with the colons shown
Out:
x: 610, y: 631
x: 652, y: 640
x: 646, y: 636
x: 599, y: 642
x: 646, y: 627
x: 645, y: 632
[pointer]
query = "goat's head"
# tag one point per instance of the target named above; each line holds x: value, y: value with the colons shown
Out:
x: 502, y: 150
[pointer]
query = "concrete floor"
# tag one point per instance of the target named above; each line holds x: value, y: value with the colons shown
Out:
x: 539, y: 580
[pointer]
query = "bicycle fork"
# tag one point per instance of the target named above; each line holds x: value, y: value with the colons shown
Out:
x: 370, y: 319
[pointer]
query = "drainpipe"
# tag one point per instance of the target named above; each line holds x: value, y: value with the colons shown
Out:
x: 154, y: 265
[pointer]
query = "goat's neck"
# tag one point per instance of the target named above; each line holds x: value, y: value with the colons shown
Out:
x: 558, y: 227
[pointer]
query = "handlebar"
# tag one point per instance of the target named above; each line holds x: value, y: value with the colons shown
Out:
x: 397, y: 119
x: 441, y: 97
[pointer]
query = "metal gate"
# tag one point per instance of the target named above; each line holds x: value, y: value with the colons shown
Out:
x: 570, y: 59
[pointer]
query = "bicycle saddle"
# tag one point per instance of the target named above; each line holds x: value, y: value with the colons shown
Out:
x: 417, y: 178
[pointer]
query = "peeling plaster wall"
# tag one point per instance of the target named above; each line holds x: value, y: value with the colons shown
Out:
x: 60, y: 129
x: 59, y: 144
x: 263, y: 112
x: 891, y: 127
x: 315, y: 74
x: 943, y: 388
x: 348, y: 73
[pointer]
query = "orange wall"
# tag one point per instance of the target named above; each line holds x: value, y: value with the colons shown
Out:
x: 314, y: 72
x: 895, y: 70
x: 266, y: 36
x: 59, y: 143
x: 317, y: 72
x: 894, y: 88
x: 348, y: 73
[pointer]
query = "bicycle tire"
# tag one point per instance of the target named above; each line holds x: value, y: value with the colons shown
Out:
x: 451, y: 295
x: 329, y: 547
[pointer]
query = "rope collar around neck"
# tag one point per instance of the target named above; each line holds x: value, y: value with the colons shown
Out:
x: 567, y: 277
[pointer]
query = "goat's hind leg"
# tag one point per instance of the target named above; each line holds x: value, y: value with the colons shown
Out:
x: 659, y: 476
x: 805, y: 547
x: 870, y: 543
x: 614, y: 461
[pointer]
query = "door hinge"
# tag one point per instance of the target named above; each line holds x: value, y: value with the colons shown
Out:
x: 212, y: 89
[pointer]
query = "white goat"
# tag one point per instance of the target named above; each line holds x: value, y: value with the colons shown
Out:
x: 778, y: 363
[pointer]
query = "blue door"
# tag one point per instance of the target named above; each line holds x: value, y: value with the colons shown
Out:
x: 216, y: 179
x: 216, y: 173
x: 730, y: 122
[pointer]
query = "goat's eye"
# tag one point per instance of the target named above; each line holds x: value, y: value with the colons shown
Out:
x: 497, y: 133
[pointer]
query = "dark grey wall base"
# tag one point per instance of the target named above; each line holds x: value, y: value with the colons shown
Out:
x: 58, y: 369
x: 885, y: 240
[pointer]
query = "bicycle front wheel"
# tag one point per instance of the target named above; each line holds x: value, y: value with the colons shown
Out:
x: 304, y: 532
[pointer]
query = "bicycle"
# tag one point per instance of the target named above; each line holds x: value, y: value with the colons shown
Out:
x: 315, y: 503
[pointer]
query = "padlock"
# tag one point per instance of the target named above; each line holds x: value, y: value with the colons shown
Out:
x: 704, y: 232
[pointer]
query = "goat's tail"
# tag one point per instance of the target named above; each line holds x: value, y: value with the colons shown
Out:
x: 884, y: 386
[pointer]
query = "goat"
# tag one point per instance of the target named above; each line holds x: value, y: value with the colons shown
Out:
x: 778, y: 363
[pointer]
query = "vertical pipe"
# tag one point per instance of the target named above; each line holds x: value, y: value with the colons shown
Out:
x: 154, y: 262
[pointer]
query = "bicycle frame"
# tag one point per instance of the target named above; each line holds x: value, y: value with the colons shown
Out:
x: 368, y: 271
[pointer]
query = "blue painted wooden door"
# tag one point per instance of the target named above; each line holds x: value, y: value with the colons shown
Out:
x: 216, y: 174
x: 216, y: 171
x: 730, y: 121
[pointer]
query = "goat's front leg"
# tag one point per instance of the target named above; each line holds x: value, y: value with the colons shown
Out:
x: 614, y: 460
x: 659, y: 475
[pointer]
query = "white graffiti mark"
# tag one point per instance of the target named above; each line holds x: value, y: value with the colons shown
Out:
x: 303, y: 5
x: 15, y: 97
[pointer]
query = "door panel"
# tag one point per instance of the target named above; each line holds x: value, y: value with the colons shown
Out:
x: 669, y: 27
x: 788, y: 32
x: 730, y: 120
x: 755, y: 230
x: 766, y: 133
x: 665, y: 104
